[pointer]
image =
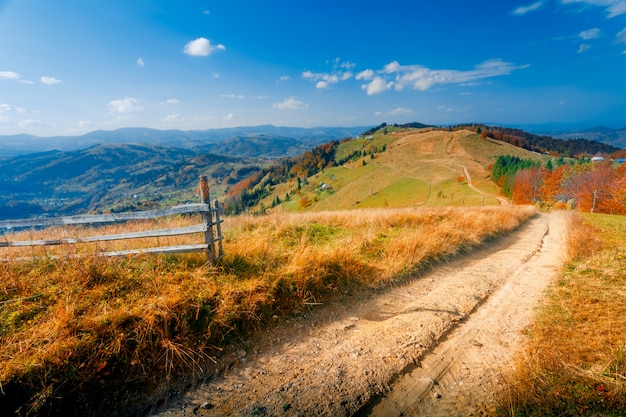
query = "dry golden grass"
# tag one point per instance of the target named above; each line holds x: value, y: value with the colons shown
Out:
x: 71, y: 325
x: 575, y: 361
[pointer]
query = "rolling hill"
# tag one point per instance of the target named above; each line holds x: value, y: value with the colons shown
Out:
x: 415, y: 167
x: 109, y: 177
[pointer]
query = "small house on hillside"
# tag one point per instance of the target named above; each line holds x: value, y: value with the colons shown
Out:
x: 597, y: 159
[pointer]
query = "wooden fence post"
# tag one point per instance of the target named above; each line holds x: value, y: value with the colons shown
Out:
x: 208, y: 220
x: 218, y: 225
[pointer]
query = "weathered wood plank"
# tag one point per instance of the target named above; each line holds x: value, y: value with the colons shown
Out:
x: 199, y: 228
x: 106, y: 218
x: 165, y: 250
x: 161, y: 250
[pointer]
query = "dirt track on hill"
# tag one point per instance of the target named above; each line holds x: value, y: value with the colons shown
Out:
x: 432, y: 346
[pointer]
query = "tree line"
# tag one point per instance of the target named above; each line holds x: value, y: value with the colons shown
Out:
x: 597, y: 187
x: 572, y: 148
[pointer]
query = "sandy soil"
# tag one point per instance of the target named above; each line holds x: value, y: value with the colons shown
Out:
x: 433, y: 346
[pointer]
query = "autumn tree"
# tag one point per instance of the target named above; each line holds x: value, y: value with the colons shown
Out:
x: 550, y: 190
x: 526, y: 186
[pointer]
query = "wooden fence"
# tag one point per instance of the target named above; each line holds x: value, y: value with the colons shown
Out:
x: 210, y: 227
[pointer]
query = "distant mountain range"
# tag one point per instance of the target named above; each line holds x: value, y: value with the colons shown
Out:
x: 602, y: 134
x: 265, y: 140
x: 614, y: 137
x: 137, y: 168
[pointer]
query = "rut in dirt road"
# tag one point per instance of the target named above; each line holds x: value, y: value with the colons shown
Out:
x: 463, y: 372
x: 357, y: 357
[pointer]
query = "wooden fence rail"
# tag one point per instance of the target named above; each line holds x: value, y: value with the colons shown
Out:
x: 210, y: 226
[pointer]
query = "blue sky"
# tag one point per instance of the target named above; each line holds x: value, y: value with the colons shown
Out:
x: 68, y: 67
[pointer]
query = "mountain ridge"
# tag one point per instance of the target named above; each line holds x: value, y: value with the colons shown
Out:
x: 21, y: 144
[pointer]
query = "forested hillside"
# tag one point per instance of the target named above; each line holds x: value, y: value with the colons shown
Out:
x: 569, y: 148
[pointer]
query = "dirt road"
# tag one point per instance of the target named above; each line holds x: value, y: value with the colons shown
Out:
x: 432, y: 346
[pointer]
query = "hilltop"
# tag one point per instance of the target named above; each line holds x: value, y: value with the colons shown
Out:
x: 393, y: 167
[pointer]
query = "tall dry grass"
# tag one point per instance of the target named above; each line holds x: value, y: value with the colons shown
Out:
x: 73, y: 326
x: 575, y: 361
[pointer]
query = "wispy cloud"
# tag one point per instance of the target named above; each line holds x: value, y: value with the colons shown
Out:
x: 7, y: 108
x: 9, y: 75
x: 621, y: 37
x: 172, y: 118
x: 140, y: 62
x: 234, y: 96
x: 590, y: 34
x: 291, y: 104
x: 125, y: 105
x: 172, y: 101
x: 584, y: 47
x: 522, y: 10
x: 613, y: 8
x: 395, y: 112
x: 50, y: 80
x: 341, y: 71
x: 202, y: 47
x: 418, y: 77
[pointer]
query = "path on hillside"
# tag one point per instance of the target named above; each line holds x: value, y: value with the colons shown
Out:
x: 454, y: 141
x: 503, y: 200
x: 432, y: 346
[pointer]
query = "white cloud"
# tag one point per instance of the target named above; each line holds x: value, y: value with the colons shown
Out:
x: 365, y: 75
x: 395, y: 112
x: 233, y: 96
x: 140, y: 62
x: 376, y: 86
x: 202, y: 47
x: 590, y: 34
x: 31, y: 123
x: 584, y: 47
x: 172, y: 118
x: 25, y: 82
x: 171, y: 101
x: 9, y: 75
x: 7, y: 108
x: 290, y: 104
x: 613, y: 8
x: 50, y: 80
x: 283, y: 78
x: 228, y: 117
x: 522, y: 10
x: 400, y: 110
x: 417, y: 77
x: 206, y: 12
x: 340, y: 72
x: 621, y: 36
x: 125, y: 105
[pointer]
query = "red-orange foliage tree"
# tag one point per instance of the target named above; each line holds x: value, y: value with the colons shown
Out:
x: 526, y: 186
x: 551, y: 185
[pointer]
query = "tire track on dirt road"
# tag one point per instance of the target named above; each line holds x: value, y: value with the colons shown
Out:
x: 463, y: 372
x: 350, y: 357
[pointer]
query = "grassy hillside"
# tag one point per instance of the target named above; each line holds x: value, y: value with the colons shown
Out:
x: 91, y: 336
x: 420, y: 167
